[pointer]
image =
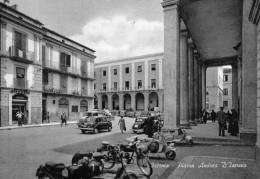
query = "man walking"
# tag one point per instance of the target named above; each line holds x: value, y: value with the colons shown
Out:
x: 213, y: 116
x: 63, y: 119
x: 221, y: 121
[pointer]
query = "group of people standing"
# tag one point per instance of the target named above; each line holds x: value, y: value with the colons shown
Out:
x: 230, y: 118
x: 21, y: 117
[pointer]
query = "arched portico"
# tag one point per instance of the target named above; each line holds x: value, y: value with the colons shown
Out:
x: 127, y: 101
x: 115, y: 102
x: 153, y: 100
x: 139, y: 98
x: 104, y: 100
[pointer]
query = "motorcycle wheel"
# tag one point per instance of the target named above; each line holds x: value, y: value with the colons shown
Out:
x: 45, y: 177
x: 170, y: 155
x: 108, y: 161
x: 145, y: 166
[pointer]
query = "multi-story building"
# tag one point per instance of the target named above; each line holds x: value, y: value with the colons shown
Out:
x: 214, y: 85
x: 227, y: 88
x: 131, y: 83
x: 41, y: 71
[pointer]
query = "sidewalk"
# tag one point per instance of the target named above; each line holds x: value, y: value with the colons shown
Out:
x: 200, y: 167
x: 34, y: 125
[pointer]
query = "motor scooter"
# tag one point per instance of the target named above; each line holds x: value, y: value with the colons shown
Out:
x: 182, y: 137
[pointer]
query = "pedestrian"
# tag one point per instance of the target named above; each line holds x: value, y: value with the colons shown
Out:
x: 213, y: 115
x: 63, y: 119
x: 234, y: 117
x: 221, y: 122
x: 121, y: 124
x: 230, y: 122
x: 48, y: 117
x: 19, y: 116
x: 205, y: 116
x: 25, y: 117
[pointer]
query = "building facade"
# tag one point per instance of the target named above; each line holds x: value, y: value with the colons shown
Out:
x: 130, y: 84
x: 227, y: 88
x: 214, y: 94
x: 41, y: 71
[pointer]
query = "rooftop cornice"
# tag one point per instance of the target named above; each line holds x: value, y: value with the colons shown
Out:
x: 167, y: 3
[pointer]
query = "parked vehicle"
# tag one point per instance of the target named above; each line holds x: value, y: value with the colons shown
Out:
x: 182, y: 137
x: 138, y: 126
x: 129, y: 151
x: 95, y: 124
x: 51, y: 170
x: 122, y: 173
x: 159, y: 144
x: 147, y: 124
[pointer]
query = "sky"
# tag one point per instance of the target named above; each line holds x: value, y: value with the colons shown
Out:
x: 113, y: 28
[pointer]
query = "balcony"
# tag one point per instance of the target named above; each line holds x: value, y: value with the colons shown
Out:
x: 20, y: 83
x: 21, y: 55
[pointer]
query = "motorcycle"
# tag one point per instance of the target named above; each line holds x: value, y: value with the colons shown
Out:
x: 158, y: 144
x: 134, y: 148
x: 82, y: 168
x: 183, y: 137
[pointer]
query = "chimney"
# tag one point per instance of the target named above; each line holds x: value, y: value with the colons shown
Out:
x: 14, y: 6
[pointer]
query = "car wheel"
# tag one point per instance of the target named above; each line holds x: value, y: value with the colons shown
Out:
x: 82, y: 131
x: 109, y: 129
x: 95, y: 131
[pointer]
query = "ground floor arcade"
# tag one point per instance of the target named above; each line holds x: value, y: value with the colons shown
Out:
x: 130, y: 100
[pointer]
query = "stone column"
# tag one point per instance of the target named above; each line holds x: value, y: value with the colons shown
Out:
x: 196, y: 90
x: 109, y: 102
x: 191, y: 81
x: 249, y: 75
x: 199, y: 88
x: 235, y: 87
x: 171, y: 64
x: 121, y: 101
x: 184, y: 80
x: 133, y: 102
x: 160, y: 96
x: 146, y: 101
x: 99, y: 98
x: 203, y: 87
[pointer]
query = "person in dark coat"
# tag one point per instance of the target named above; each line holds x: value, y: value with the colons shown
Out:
x: 63, y: 118
x: 234, y: 117
x: 148, y: 127
x: 213, y: 115
x: 205, y: 116
x: 230, y: 122
x: 221, y: 122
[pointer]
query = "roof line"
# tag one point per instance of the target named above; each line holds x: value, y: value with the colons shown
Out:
x: 66, y: 38
x: 129, y: 58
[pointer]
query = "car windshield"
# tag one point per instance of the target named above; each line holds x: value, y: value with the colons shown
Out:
x: 139, y: 119
x: 90, y: 119
x: 89, y: 114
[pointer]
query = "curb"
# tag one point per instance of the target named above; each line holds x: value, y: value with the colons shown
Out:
x: 35, y: 125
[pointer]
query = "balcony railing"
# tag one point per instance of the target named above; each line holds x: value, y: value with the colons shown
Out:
x: 21, y: 55
x: 20, y: 83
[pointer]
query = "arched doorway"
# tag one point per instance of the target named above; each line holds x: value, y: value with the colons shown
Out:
x: 19, y: 104
x: 104, y: 101
x: 64, y: 106
x: 139, y: 98
x: 83, y: 105
x: 127, y: 101
x: 95, y: 102
x: 153, y: 101
x: 115, y: 102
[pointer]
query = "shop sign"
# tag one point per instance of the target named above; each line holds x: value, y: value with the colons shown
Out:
x: 19, y: 91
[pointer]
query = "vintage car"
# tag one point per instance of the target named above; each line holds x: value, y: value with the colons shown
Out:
x: 141, y: 121
x: 95, y: 124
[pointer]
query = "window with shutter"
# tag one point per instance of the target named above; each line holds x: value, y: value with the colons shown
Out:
x: 68, y: 59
